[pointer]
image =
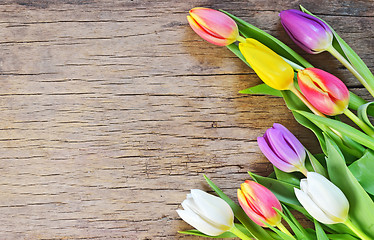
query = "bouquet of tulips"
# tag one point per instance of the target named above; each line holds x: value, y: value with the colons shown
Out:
x: 334, y: 189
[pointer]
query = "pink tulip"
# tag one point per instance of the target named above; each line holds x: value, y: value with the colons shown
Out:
x: 258, y: 202
x: 213, y: 26
x: 324, y: 91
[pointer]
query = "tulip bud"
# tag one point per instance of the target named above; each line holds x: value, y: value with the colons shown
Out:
x: 268, y: 65
x: 213, y: 26
x: 308, y: 32
x: 323, y: 90
x: 209, y: 214
x: 258, y: 202
x: 283, y: 149
x: 322, y: 199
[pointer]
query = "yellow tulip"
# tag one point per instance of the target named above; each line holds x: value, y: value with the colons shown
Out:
x: 269, y: 66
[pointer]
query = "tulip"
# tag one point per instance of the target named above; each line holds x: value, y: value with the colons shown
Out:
x: 308, y: 32
x: 328, y: 95
x: 269, y: 66
x: 283, y: 149
x: 213, y: 26
x: 258, y: 202
x: 322, y: 199
x: 207, y: 213
x: 324, y: 91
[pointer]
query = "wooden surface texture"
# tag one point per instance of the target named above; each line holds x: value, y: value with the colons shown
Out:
x: 111, y: 111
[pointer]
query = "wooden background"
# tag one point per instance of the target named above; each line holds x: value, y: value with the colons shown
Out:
x: 112, y: 110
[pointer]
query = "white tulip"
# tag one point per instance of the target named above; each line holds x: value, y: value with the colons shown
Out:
x: 209, y: 214
x: 322, y: 199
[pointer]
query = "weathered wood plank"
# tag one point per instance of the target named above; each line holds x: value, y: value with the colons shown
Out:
x: 112, y: 110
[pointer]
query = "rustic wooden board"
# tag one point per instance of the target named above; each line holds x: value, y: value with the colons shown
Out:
x: 112, y: 110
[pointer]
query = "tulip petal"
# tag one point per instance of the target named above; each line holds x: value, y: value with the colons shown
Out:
x: 213, y: 208
x: 266, y: 200
x: 323, y: 90
x: 268, y: 65
x: 202, y: 33
x: 247, y: 207
x: 328, y: 82
x: 197, y: 222
x: 304, y: 185
x: 311, y: 207
x: 258, y: 202
x: 282, y: 147
x: 272, y: 157
x: 216, y: 23
x: 292, y: 141
x: 328, y: 196
x: 307, y: 31
x: 213, y: 26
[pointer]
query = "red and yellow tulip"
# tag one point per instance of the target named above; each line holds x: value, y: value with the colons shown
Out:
x: 258, y: 202
x: 213, y: 26
x: 324, y: 91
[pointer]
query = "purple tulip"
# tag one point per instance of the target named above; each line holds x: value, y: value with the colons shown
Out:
x: 308, y: 32
x: 283, y: 149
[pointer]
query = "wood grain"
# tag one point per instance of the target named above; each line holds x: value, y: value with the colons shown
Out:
x: 112, y: 110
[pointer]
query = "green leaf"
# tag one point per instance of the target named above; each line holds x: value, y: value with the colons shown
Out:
x: 292, y: 178
x: 300, y: 234
x: 355, y: 60
x: 282, y: 190
x: 351, y: 150
x: 321, y: 235
x: 349, y: 54
x: 262, y: 89
x: 293, y: 102
x: 255, y: 230
x: 281, y: 234
x: 223, y: 235
x: 362, y: 169
x: 352, y: 144
x: 362, y: 113
x: 250, y: 31
x: 341, y: 127
x: 341, y: 237
x: 361, y: 207
x: 198, y: 233
x: 317, y: 166
x: 294, y: 220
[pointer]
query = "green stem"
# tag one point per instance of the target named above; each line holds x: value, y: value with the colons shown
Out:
x: 359, y: 122
x: 349, y: 147
x: 295, y: 66
x: 284, y: 229
x: 241, y: 39
x: 304, y: 171
x: 239, y: 233
x: 348, y: 65
x: 356, y: 230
